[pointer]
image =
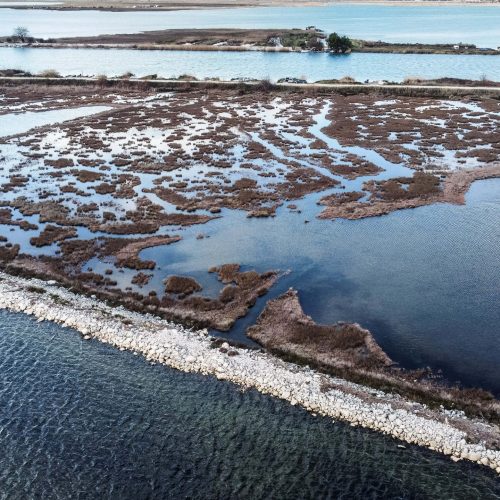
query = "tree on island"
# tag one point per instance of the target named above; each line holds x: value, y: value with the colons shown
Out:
x: 21, y: 33
x: 339, y: 44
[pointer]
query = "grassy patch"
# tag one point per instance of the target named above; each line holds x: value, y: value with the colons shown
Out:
x: 295, y: 40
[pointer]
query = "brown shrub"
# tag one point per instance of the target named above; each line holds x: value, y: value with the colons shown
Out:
x: 228, y: 294
x: 141, y: 279
x: 227, y: 272
x: 182, y: 285
x: 327, y: 338
x: 8, y: 253
x: 86, y: 175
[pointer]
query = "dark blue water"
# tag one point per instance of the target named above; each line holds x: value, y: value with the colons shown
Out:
x: 82, y: 420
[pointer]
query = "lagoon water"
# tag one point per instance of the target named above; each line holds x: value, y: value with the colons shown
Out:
x: 424, y: 281
x: 17, y: 123
x: 82, y: 420
x: 227, y: 65
x: 394, y: 23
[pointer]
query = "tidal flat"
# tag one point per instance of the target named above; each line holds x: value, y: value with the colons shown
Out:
x: 124, y: 203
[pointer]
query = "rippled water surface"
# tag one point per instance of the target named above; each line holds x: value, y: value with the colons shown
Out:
x: 82, y: 420
x: 227, y: 65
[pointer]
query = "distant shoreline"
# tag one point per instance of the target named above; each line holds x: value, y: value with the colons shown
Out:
x: 166, y: 5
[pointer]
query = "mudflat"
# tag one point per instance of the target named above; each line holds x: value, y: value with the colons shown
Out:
x: 154, y: 163
x: 82, y: 200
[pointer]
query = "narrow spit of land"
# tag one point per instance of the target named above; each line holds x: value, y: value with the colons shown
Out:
x: 447, y: 432
x: 277, y: 40
x: 411, y: 87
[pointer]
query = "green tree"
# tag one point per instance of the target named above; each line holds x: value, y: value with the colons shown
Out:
x: 339, y: 44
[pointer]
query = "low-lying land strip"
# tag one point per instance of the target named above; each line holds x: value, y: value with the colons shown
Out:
x: 219, y: 39
x: 411, y: 87
x: 190, y: 39
x: 349, y: 351
x: 447, y: 432
x: 422, y: 48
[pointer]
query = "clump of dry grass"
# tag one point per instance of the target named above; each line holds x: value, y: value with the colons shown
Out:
x: 49, y: 73
x: 420, y: 185
x: 127, y: 75
x: 265, y: 85
x: 347, y: 80
x: 412, y: 80
x: 343, y: 336
x: 101, y: 80
x: 184, y: 285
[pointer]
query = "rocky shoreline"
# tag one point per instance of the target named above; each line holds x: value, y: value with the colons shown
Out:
x: 448, y: 432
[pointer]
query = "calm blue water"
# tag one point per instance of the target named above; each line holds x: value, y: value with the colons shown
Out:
x: 18, y: 123
x: 451, y: 24
x: 82, y: 420
x: 424, y: 281
x: 227, y: 65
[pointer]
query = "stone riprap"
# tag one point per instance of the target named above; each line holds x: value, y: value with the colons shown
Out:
x: 162, y: 342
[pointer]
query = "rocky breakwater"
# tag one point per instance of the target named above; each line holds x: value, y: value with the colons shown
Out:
x: 159, y: 341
